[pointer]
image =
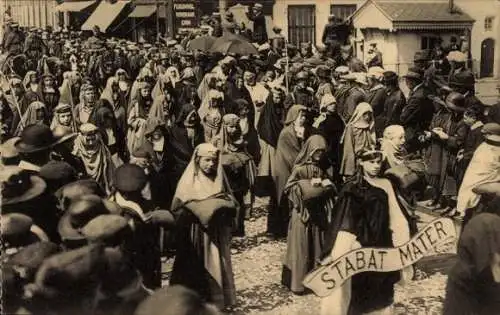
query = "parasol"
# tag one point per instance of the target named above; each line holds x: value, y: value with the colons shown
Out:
x: 202, y: 43
x: 233, y: 44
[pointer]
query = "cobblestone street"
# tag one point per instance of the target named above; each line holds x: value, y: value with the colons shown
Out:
x: 257, y: 268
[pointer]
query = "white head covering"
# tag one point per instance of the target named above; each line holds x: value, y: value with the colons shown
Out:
x: 358, y: 121
x: 193, y: 184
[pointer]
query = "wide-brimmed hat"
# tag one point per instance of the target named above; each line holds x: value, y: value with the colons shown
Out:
x: 62, y: 134
x: 462, y: 79
x: 81, y: 212
x: 28, y: 260
x: 74, y: 190
x: 8, y: 149
x: 16, y: 231
x: 457, y: 56
x: 414, y: 73
x: 389, y: 76
x: 109, y: 229
x: 35, y: 138
x: 359, y: 77
x: 69, y: 274
x: 130, y: 178
x: 19, y: 185
x: 375, y: 73
x: 121, y: 277
x: 57, y: 174
x: 455, y: 101
x: 177, y: 298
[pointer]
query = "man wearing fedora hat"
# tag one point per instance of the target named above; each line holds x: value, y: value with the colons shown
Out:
x: 130, y: 181
x: 395, y: 100
x: 446, y: 138
x: 355, y: 95
x: 259, y: 23
x: 416, y: 116
x: 34, y: 147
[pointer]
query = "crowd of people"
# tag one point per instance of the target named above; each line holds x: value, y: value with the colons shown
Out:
x: 117, y: 153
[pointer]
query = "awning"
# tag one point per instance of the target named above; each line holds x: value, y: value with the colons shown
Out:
x: 104, y: 15
x: 143, y: 11
x: 74, y: 6
x: 410, y: 26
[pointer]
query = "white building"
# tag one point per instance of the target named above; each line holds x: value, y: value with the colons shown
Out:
x: 401, y: 28
x: 304, y: 20
x: 485, y: 35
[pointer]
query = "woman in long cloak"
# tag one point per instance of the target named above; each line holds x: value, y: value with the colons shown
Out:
x: 359, y: 134
x: 443, y: 148
x: 366, y: 214
x: 289, y: 145
x: 269, y: 128
x: 183, y: 138
x: 309, y: 219
x: 203, y: 260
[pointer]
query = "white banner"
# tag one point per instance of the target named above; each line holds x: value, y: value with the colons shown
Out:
x: 323, y: 280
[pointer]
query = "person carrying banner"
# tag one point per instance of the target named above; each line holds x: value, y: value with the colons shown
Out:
x: 367, y: 214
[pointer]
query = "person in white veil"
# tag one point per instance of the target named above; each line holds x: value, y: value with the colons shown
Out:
x: 203, y: 257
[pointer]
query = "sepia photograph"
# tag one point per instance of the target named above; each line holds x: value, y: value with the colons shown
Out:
x: 261, y: 157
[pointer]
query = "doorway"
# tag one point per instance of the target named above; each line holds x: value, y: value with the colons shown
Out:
x: 487, y: 57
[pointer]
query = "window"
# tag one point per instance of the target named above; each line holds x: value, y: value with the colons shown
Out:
x: 488, y: 23
x: 428, y: 42
x: 342, y: 10
x: 301, y: 24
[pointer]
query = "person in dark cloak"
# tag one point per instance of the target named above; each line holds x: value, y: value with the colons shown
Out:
x: 48, y: 92
x: 310, y: 215
x: 289, y: 144
x: 236, y: 90
x: 331, y: 127
x: 366, y: 214
x: 473, y: 285
x: 375, y: 96
x: 269, y: 128
x: 395, y: 100
x: 183, y: 137
x: 112, y: 135
x: 259, y: 24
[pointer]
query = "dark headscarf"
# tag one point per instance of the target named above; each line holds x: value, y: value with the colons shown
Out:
x: 471, y: 288
x: 270, y: 122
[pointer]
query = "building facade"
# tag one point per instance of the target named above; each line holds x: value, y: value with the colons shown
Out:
x: 29, y: 13
x: 304, y: 20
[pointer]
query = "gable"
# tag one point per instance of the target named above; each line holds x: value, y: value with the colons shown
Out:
x: 370, y: 16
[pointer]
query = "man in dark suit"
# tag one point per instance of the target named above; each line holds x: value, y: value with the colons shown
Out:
x: 417, y: 114
x: 259, y: 24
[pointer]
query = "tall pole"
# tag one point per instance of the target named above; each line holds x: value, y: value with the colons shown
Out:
x: 170, y: 18
x: 157, y: 2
